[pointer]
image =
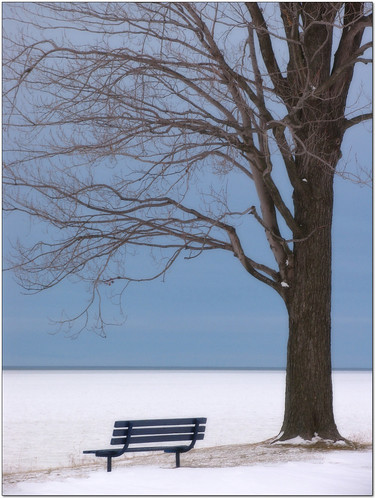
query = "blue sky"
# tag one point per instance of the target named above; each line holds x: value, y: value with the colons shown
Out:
x: 209, y: 312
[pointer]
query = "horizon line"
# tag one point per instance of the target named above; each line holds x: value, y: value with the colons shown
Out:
x: 164, y: 368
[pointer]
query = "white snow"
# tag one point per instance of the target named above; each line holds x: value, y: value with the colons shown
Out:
x: 50, y: 417
x: 315, y: 440
x: 284, y: 284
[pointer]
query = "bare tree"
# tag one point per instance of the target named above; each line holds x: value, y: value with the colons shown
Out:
x: 126, y: 123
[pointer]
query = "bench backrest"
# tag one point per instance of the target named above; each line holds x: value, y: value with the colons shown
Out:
x: 157, y: 432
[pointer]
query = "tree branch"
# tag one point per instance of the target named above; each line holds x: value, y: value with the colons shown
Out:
x: 357, y: 119
x: 266, y: 48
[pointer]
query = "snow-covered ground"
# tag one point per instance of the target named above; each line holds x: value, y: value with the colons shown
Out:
x: 50, y: 417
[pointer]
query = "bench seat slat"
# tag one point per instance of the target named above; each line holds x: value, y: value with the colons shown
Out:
x: 159, y: 422
x: 164, y: 448
x: 158, y: 430
x: 155, y: 438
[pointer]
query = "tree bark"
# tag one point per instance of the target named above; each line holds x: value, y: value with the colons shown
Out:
x: 308, y: 404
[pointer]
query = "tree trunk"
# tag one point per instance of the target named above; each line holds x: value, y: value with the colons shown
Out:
x: 308, y: 404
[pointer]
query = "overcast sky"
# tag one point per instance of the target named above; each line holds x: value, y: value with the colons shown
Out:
x: 209, y: 312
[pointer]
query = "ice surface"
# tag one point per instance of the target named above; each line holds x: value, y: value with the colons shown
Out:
x: 50, y: 417
x: 65, y: 412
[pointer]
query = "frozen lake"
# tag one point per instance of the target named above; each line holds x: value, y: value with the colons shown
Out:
x: 50, y: 417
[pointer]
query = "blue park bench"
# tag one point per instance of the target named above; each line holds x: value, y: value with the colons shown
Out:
x: 145, y: 435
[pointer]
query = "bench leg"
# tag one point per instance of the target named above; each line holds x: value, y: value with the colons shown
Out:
x: 178, y: 459
x: 109, y: 463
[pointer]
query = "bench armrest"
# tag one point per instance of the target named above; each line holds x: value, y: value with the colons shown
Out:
x: 112, y: 452
x: 194, y: 439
